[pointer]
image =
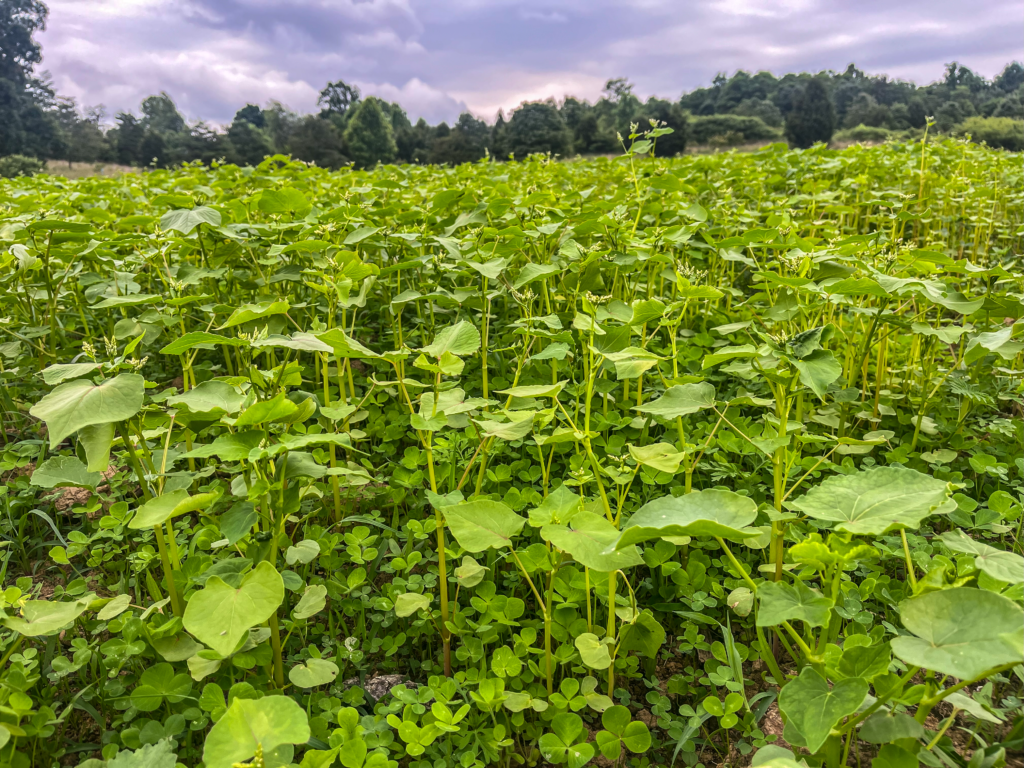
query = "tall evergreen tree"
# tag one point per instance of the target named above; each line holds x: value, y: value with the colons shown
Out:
x: 369, y: 136
x: 813, y: 118
x: 127, y: 139
x: 499, y: 137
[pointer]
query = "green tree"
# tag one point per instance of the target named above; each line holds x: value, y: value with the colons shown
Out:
x: 26, y: 127
x: 153, y: 150
x: 668, y: 115
x: 337, y: 98
x: 899, y: 117
x: 499, y: 137
x: 537, y: 127
x: 465, y: 143
x: 86, y: 141
x: 762, y: 109
x: 618, y: 108
x: 916, y: 112
x: 813, y: 118
x: 248, y: 145
x: 866, y: 111
x: 252, y: 115
x: 12, y: 132
x: 414, y: 142
x: 1011, y: 78
x: 161, y: 115
x: 741, y: 87
x: 19, y: 52
x: 1009, y: 107
x: 281, y: 124
x: 200, y: 142
x: 316, y: 140
x: 949, y: 115
x: 126, y: 139
x: 369, y: 136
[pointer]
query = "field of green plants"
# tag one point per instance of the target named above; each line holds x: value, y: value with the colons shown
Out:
x: 620, y: 462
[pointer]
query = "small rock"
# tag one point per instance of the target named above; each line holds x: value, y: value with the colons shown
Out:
x: 378, y: 686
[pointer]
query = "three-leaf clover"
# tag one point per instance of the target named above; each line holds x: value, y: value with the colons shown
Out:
x: 620, y: 732
x: 561, y: 745
x: 725, y: 711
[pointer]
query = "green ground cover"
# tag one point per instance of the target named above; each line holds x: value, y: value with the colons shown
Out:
x: 635, y: 461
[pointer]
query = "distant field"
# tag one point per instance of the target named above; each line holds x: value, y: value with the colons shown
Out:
x: 81, y: 170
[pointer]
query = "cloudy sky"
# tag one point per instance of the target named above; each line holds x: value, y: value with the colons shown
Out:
x: 440, y: 57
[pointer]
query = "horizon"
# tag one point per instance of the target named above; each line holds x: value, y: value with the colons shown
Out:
x: 214, y: 56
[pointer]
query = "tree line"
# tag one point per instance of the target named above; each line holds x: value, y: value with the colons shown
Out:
x: 349, y: 129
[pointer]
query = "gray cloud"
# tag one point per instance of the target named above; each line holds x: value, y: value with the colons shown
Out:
x: 440, y: 57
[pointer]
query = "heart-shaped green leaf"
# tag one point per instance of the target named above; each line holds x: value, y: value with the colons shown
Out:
x: 185, y: 221
x: 59, y: 372
x: 781, y: 602
x: 559, y: 507
x: 461, y: 339
x: 278, y: 408
x: 504, y: 662
x: 587, y: 537
x: 159, y: 509
x: 344, y: 346
x: 43, y: 617
x: 200, y: 339
x: 273, y: 723
x: 64, y: 471
x: 997, y: 563
x: 560, y: 746
x: 813, y: 709
x: 659, y: 456
x: 409, y: 603
x: 213, y: 397
x: 470, y: 573
x: 313, y: 672
x: 958, y: 631
x: 482, y: 525
x: 286, y: 200
x: 818, y: 370
x: 249, y: 312
x: 313, y: 600
x: 220, y: 616
x: 681, y: 400
x: 80, y: 403
x: 537, y: 390
x: 722, y: 514
x: 876, y: 501
x: 594, y: 653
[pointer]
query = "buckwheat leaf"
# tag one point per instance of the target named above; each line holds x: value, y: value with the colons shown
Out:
x: 959, y: 631
x: 724, y: 514
x: 482, y: 525
x: 80, y: 403
x: 876, y: 501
